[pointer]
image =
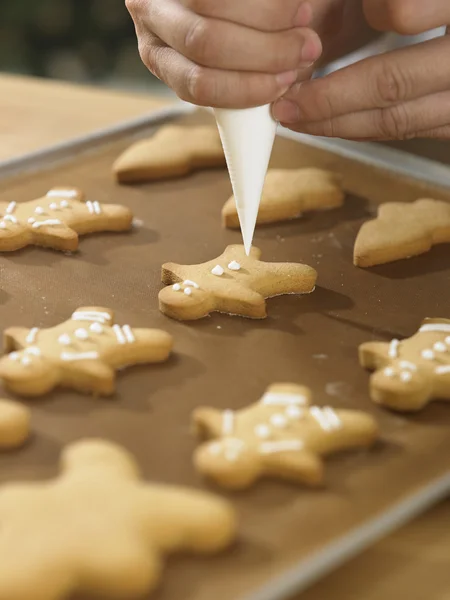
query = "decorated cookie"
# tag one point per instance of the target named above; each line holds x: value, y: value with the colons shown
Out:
x: 233, y: 283
x: 82, y: 353
x: 14, y: 424
x: 412, y: 372
x: 281, y: 436
x: 402, y: 230
x: 173, y: 151
x: 100, y: 529
x: 56, y: 220
x: 288, y: 193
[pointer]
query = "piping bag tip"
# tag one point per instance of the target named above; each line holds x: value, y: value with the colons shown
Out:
x: 247, y: 138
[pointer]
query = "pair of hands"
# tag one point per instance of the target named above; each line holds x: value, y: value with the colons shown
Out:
x: 239, y: 53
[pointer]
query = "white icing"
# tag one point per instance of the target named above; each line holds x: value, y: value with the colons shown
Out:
x: 234, y: 265
x: 46, y: 223
x: 33, y: 350
x: 294, y: 412
x: 393, y: 348
x: 217, y: 270
x: 442, y: 370
x: 14, y: 356
x: 10, y: 218
x: 39, y: 210
x: 405, y: 376
x: 188, y: 291
x: 280, y: 399
x: 26, y: 360
x: 447, y: 340
x: 90, y: 207
x: 405, y: 364
x: 64, y: 204
x: 326, y: 417
x: 389, y: 372
x: 233, y: 448
x: 62, y: 194
x: 2, y: 225
x: 119, y: 334
x: 440, y: 347
x: 11, y: 208
x: 191, y: 283
x: 215, y: 448
x: 176, y: 287
x: 96, y: 328
x: 278, y: 420
x: 445, y: 327
x: 228, y: 422
x: 91, y: 315
x: 53, y: 206
x: 31, y: 337
x: 31, y: 220
x: 128, y: 334
x: 64, y: 339
x: 72, y: 356
x: 281, y: 446
x: 427, y: 354
x: 97, y: 207
x: 262, y: 431
x: 81, y: 334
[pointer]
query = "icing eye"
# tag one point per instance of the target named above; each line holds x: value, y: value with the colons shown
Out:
x: 14, y: 356
x: 262, y: 431
x: 64, y: 339
x: 293, y: 412
x: 389, y: 372
x: 176, y: 287
x: 81, y: 334
x: 428, y: 354
x: 39, y: 210
x: 64, y: 204
x: 405, y: 376
x: 96, y: 328
x: 217, y: 270
x: 26, y: 360
x: 234, y: 266
x: 187, y: 291
x: 278, y: 420
x: 53, y: 206
x: 440, y: 347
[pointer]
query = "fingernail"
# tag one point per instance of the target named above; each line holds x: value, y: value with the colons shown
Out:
x: 304, y: 15
x: 285, y: 111
x: 285, y: 80
x: 311, y: 51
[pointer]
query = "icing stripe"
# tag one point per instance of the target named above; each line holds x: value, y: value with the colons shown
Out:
x: 72, y: 356
x: 97, y: 207
x: 11, y: 208
x: 31, y: 337
x: 228, y: 422
x: 326, y: 417
x: 128, y: 334
x: 281, y: 446
x: 393, y: 348
x: 280, y: 399
x: 119, y: 334
x: 62, y: 194
x: 442, y: 370
x: 11, y: 218
x: 46, y: 223
x: 100, y: 317
x: 444, y: 327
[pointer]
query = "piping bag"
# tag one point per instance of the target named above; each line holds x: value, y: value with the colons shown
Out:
x: 247, y: 138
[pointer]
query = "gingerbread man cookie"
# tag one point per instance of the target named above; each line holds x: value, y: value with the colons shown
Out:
x: 282, y: 436
x: 14, y: 424
x: 412, y: 372
x: 99, y: 529
x: 288, y: 193
x: 402, y: 230
x: 173, y: 151
x: 233, y: 283
x: 81, y: 353
x: 56, y: 220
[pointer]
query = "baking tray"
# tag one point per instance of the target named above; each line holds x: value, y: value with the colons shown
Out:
x: 290, y: 536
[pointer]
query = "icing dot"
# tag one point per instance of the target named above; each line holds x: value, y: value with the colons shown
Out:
x: 234, y: 266
x: 34, y: 350
x: 81, y: 334
x: 2, y: 225
x: 278, y: 420
x: 187, y: 291
x: 53, y: 206
x: 447, y: 340
x: 389, y: 372
x: 191, y: 283
x: 96, y: 328
x: 217, y: 270
x: 31, y: 220
x: 26, y: 360
x: 405, y: 376
x: 428, y: 354
x: 64, y: 339
x: 64, y: 204
x: 293, y: 411
x: 39, y: 210
x: 440, y: 347
x: 262, y: 431
x: 14, y: 356
x: 176, y: 287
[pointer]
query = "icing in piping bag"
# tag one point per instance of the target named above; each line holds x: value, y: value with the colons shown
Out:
x: 247, y: 138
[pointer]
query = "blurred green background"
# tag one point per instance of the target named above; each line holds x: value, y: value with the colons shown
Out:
x: 78, y: 40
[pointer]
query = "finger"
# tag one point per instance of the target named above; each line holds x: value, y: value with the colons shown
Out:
x: 210, y: 87
x: 407, y: 17
x: 399, y: 122
x: 223, y: 45
x: 375, y: 82
x: 440, y: 133
x: 265, y: 15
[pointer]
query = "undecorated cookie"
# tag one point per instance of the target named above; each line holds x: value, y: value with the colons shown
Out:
x: 288, y: 193
x: 282, y: 436
x: 402, y: 230
x: 14, y: 424
x: 100, y: 529
x: 81, y: 353
x: 233, y: 283
x: 57, y: 219
x: 412, y: 372
x: 173, y: 151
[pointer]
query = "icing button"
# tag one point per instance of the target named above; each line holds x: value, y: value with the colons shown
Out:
x: 405, y: 376
x: 176, y: 287
x: 428, y: 354
x: 440, y: 347
x: 234, y: 266
x: 188, y: 291
x: 96, y: 328
x: 64, y: 339
x: 262, y: 431
x: 278, y: 420
x: 217, y: 270
x: 81, y: 334
x: 293, y: 412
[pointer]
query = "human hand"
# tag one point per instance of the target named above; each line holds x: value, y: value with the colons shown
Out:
x: 398, y: 95
x: 226, y: 53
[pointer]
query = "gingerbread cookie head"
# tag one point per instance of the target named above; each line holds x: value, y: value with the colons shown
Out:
x: 81, y: 353
x: 56, y: 220
x: 233, y: 283
x: 99, y: 529
x: 283, y: 435
x: 408, y: 374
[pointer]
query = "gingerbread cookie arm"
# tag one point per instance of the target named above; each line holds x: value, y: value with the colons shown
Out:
x: 152, y: 345
x: 286, y: 278
x: 56, y: 235
x: 89, y: 376
x: 249, y: 303
x: 15, y: 238
x: 14, y: 338
x: 374, y: 355
x: 207, y: 422
x: 298, y: 466
x: 113, y: 217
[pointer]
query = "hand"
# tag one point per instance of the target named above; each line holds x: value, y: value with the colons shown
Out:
x: 398, y: 95
x: 226, y: 53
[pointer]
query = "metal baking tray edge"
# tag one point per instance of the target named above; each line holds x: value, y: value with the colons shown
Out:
x: 309, y: 571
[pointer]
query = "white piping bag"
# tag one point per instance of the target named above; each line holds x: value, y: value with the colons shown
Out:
x: 247, y: 138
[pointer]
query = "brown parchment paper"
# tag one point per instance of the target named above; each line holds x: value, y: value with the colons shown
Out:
x: 227, y: 362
